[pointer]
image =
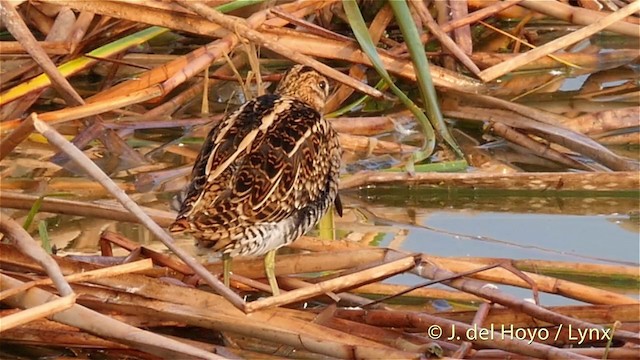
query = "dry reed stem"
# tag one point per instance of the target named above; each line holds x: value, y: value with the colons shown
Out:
x: 347, y: 51
x: 170, y: 106
x: 478, y: 320
x: 429, y: 270
x: 210, y: 311
x: 136, y: 266
x: 382, y: 289
x: 80, y: 186
x: 333, y: 285
x: 44, y: 332
x: 102, y: 325
x: 92, y: 108
x: 376, y: 30
x: 179, y: 70
x: 265, y: 326
x: 391, y: 337
x: 21, y: 32
x: 446, y: 328
x: 590, y: 61
x: 469, y: 19
x: 462, y: 35
x: 371, y: 145
x: 308, y: 263
x: 158, y: 258
x: 95, y: 172
x: 294, y: 283
x: 37, y: 312
x: 240, y: 28
x: 254, y: 268
x: 543, y: 124
x: 573, y: 14
x: 603, y: 121
x: 371, y: 125
x: 547, y: 284
x: 558, y: 181
x: 597, y: 314
x: 445, y: 41
x: 537, y: 266
x: 49, y: 47
x: 25, y: 244
x: 598, y: 353
x: 495, y: 72
x: 156, y: 13
x: 16, y: 137
x: 537, y: 148
x: 15, y: 200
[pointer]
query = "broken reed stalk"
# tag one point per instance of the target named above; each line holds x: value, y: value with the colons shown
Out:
x: 38, y: 312
x: 430, y: 271
x: 597, y: 314
x: 495, y: 72
x: 157, y: 300
x: 95, y: 172
x: 537, y: 148
x: 478, y: 320
x: 365, y: 276
x: 139, y: 265
x: 444, y: 329
x: 102, y: 325
x: 545, y: 283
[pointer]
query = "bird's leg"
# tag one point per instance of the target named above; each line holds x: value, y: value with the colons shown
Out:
x: 270, y: 270
x: 226, y: 268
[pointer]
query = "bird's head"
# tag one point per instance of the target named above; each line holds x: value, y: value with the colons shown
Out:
x: 306, y: 84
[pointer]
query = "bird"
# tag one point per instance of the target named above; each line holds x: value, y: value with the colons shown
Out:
x: 265, y: 175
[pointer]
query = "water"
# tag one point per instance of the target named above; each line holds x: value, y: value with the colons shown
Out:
x: 593, y: 228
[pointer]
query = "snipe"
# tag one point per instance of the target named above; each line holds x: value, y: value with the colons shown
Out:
x: 265, y: 175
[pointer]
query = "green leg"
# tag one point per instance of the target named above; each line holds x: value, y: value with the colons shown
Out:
x: 226, y: 269
x: 270, y: 270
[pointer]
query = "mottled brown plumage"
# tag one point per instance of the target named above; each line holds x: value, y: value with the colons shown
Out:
x: 267, y: 173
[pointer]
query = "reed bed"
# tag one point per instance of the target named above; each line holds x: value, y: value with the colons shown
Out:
x: 103, y: 105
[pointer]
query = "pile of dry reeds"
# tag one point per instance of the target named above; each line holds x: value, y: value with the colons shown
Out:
x: 148, y: 304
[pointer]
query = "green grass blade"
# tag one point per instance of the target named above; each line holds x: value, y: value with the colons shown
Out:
x: 44, y: 236
x: 421, y: 67
x: 361, y: 32
x: 235, y: 5
x: 445, y: 166
x: 37, y: 205
x: 381, y: 85
x: 32, y: 212
x: 73, y: 66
